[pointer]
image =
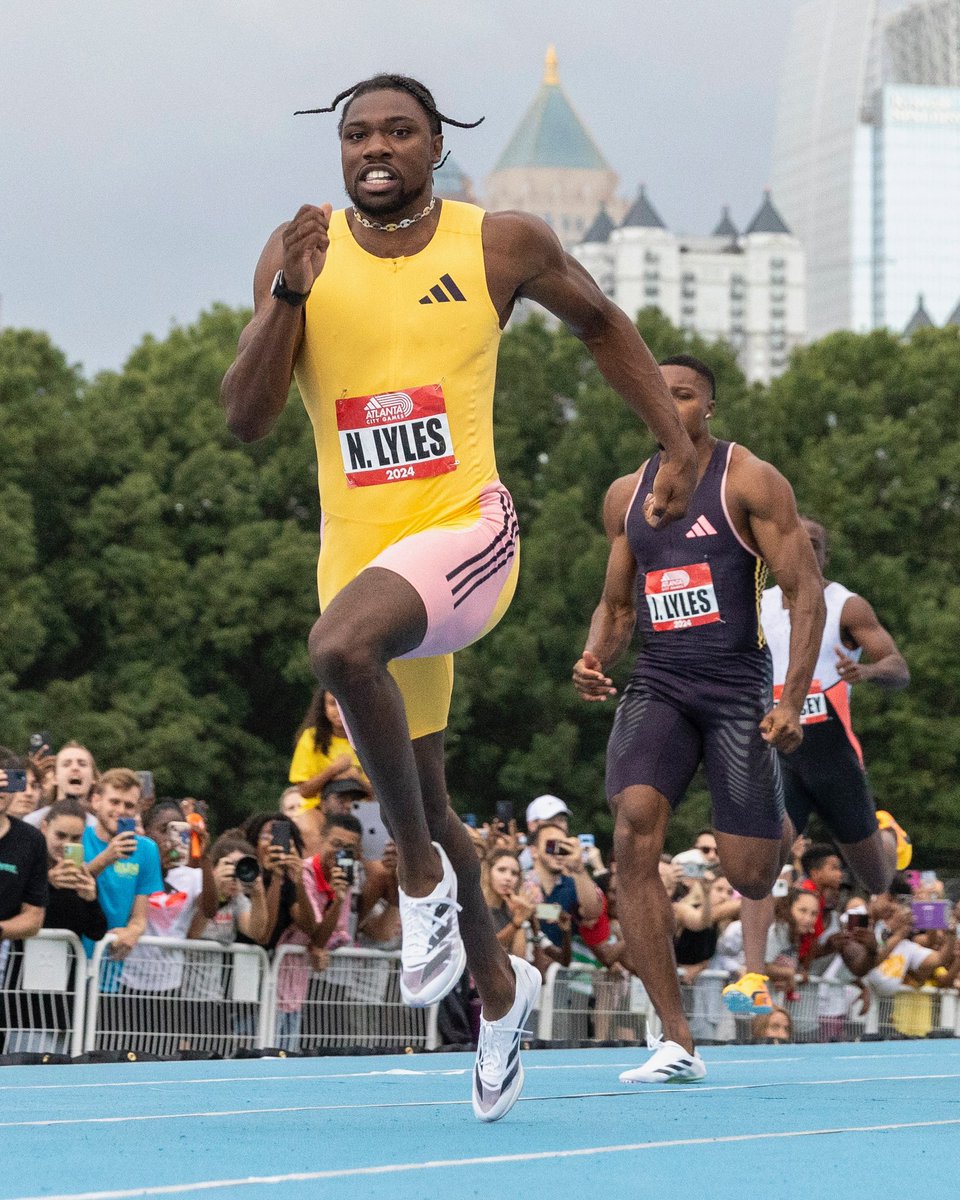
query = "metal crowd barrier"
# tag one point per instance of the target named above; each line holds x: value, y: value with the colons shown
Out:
x: 355, y: 1001
x: 583, y: 1004
x: 587, y: 1004
x: 171, y: 997
x: 43, y: 994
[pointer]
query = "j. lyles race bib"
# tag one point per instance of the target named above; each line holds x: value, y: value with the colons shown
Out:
x: 814, y: 707
x: 394, y: 436
x: 681, y: 597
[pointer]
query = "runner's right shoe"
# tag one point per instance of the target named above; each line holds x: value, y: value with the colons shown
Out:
x: 432, y: 957
x: 670, y: 1063
x: 904, y: 845
x: 749, y: 995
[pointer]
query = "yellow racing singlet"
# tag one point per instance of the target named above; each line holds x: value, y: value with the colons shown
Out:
x: 397, y: 372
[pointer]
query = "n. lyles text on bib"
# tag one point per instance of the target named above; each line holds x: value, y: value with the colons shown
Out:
x: 392, y: 436
x: 681, y: 597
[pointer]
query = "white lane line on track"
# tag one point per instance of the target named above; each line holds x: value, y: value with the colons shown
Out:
x: 387, y: 1073
x: 697, y: 1089
x: 713, y: 1063
x: 172, y: 1189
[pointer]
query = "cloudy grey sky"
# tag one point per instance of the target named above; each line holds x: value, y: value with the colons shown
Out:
x: 148, y: 147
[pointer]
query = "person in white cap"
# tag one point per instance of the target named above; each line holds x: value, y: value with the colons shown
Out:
x: 546, y: 808
x: 543, y: 808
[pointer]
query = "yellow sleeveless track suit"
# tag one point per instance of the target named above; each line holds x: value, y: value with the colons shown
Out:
x: 373, y: 326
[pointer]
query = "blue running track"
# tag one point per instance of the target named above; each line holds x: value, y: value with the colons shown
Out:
x: 855, y: 1121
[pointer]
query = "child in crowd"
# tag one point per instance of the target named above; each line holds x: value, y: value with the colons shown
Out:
x: 823, y: 869
x: 322, y: 750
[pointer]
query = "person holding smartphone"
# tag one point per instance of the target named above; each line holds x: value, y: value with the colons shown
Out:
x: 332, y: 877
x: 44, y: 1017
x: 279, y: 851
x: 290, y: 916
x: 561, y: 878
x: 125, y: 864
x: 73, y: 890
x: 23, y: 866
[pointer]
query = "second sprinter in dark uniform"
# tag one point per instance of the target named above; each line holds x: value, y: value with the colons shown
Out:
x: 701, y: 689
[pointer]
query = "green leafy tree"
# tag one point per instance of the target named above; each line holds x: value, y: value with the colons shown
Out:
x: 157, y: 580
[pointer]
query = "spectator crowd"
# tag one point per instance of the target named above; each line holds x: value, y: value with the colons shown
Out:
x: 96, y: 853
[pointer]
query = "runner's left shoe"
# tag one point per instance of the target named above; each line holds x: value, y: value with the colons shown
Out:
x: 498, y: 1073
x: 749, y: 995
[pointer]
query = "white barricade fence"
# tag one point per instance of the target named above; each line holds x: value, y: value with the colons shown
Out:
x: 43, y: 994
x: 354, y: 1001
x: 582, y: 1003
x: 173, y: 995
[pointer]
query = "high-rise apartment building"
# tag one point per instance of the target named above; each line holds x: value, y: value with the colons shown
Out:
x: 867, y: 158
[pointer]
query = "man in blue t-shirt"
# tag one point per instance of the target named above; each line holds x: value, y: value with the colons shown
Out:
x: 125, y: 865
x: 559, y: 870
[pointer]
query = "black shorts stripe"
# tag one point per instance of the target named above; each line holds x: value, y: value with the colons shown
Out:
x: 497, y: 554
x: 508, y: 528
x: 505, y: 556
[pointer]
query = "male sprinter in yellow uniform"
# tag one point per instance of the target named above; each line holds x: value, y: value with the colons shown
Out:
x: 389, y: 314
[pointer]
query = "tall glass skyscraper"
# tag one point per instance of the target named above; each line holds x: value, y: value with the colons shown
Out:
x: 867, y: 158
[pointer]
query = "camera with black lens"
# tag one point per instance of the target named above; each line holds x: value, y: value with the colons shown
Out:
x: 246, y: 870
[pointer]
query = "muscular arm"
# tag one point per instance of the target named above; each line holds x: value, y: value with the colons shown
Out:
x: 589, y: 897
x: 886, y: 667
x: 611, y: 626
x: 525, y: 260
x: 766, y: 499
x: 254, y: 389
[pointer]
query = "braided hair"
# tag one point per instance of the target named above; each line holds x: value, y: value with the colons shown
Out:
x: 395, y: 83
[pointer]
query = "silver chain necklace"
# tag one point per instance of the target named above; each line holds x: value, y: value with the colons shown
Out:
x: 393, y: 226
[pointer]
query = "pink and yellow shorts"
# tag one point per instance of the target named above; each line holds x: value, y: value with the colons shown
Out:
x: 465, y: 572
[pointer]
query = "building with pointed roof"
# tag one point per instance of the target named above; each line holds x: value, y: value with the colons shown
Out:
x: 767, y: 219
x: 954, y: 318
x: 552, y: 167
x: 451, y: 182
x: 921, y: 319
x: 725, y: 226
x: 601, y: 227
x: 748, y: 289
x: 642, y: 213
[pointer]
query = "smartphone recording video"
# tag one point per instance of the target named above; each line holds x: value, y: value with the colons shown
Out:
x: 280, y: 835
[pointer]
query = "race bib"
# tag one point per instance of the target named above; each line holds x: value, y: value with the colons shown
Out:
x: 681, y: 597
x: 394, y: 436
x: 814, y: 707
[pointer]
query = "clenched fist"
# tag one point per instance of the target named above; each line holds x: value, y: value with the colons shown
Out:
x: 305, y: 243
